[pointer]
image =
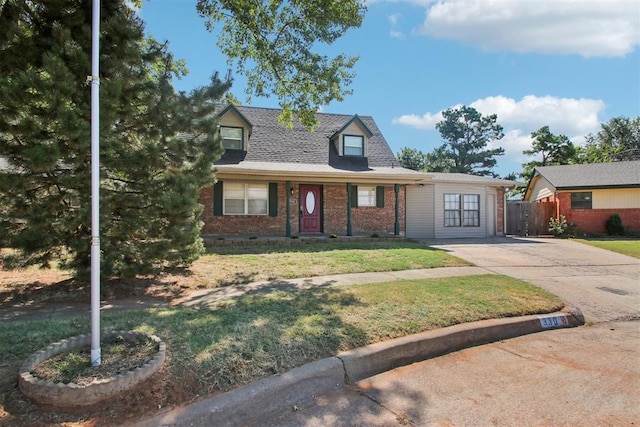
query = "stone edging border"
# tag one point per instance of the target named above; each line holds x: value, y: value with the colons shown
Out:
x: 70, y: 395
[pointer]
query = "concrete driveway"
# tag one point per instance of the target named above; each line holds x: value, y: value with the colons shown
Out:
x: 603, y: 284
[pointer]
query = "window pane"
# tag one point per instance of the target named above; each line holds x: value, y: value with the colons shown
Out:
x: 231, y: 138
x: 233, y: 133
x: 581, y: 200
x: 258, y: 191
x: 233, y: 206
x: 257, y: 207
x: 353, y: 145
x: 472, y: 202
x: 233, y: 190
x: 471, y: 218
x: 452, y: 218
x: 366, y: 196
x: 452, y: 201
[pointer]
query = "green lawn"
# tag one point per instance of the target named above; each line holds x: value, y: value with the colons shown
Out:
x: 255, y: 336
x: 216, y: 348
x: 227, y: 265
x: 629, y: 247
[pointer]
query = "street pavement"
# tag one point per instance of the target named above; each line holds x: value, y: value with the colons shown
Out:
x: 587, y: 376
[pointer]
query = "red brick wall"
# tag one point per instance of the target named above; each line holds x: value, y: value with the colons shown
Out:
x: 364, y: 220
x: 367, y: 220
x: 593, y: 220
x: 500, y: 211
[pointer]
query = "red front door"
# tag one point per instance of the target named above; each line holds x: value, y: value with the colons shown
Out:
x: 310, y: 209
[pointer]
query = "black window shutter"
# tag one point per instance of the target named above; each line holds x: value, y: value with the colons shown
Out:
x: 217, y: 198
x: 380, y: 196
x: 273, y: 199
x: 354, y: 196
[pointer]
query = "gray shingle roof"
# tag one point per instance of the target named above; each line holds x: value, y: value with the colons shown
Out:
x: 592, y: 175
x: 271, y: 142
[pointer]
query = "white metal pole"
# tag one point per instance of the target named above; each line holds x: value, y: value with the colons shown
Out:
x: 96, y: 351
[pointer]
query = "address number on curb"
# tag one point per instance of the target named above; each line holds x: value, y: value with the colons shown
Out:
x: 554, y: 321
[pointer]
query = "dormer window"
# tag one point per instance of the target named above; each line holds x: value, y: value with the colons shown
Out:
x: 353, y: 145
x: 232, y: 138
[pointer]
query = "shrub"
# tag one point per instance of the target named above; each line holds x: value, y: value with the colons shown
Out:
x: 614, y: 226
x: 558, y: 226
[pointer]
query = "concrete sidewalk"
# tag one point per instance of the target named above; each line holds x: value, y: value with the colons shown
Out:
x: 20, y: 312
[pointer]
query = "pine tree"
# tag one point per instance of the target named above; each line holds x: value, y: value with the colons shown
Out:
x: 157, y: 146
x: 467, y: 134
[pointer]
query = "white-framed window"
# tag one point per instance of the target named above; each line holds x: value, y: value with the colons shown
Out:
x: 232, y: 137
x: 462, y: 210
x: 452, y: 210
x: 366, y: 195
x: 353, y: 145
x: 245, y: 199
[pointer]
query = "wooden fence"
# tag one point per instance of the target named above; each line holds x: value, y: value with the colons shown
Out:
x: 529, y: 218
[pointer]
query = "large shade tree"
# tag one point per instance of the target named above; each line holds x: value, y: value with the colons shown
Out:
x: 276, y: 45
x: 467, y: 135
x: 157, y: 145
x: 617, y: 140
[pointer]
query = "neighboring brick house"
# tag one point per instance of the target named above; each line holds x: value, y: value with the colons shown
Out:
x: 341, y: 179
x: 588, y: 194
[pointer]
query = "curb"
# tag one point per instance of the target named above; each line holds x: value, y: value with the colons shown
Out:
x: 256, y: 402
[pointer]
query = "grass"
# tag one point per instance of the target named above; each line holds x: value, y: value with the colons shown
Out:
x: 234, y: 265
x: 239, y: 340
x: 254, y: 336
x: 630, y: 247
x: 229, y: 265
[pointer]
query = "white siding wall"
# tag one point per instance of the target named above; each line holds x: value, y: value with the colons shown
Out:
x: 541, y: 189
x: 451, y: 232
x: 419, y: 212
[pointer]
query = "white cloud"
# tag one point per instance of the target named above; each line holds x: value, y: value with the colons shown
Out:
x: 584, y: 27
x: 425, y: 122
x: 394, y: 18
x: 572, y: 117
x: 396, y: 34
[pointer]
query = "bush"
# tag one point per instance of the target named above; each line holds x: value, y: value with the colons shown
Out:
x: 561, y: 228
x: 614, y: 226
x: 558, y: 227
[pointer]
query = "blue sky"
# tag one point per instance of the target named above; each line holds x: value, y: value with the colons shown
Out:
x: 568, y: 64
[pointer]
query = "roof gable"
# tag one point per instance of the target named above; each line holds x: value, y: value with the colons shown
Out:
x: 233, y: 110
x: 355, y: 119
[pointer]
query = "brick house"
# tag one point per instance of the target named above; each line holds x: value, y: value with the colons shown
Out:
x: 588, y: 194
x: 341, y: 179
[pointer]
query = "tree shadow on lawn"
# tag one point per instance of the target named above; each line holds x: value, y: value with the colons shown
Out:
x: 210, y: 350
